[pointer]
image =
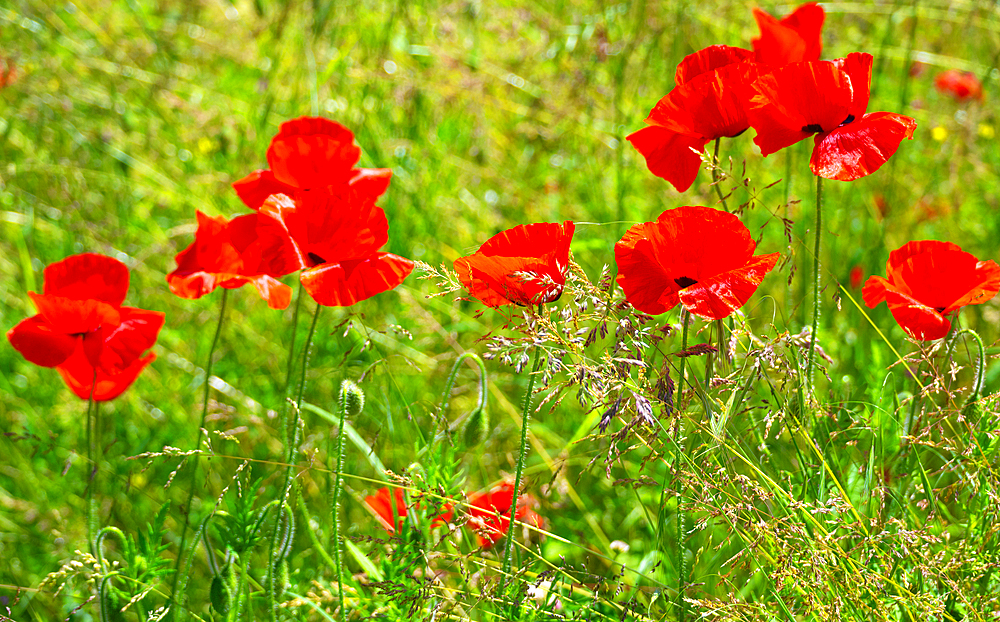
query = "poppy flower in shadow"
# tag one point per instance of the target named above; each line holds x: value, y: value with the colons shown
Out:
x: 926, y: 281
x: 706, y: 104
x: 962, y: 85
x: 794, y: 38
x: 214, y: 260
x: 83, y: 330
x: 390, y: 509
x: 307, y: 154
x: 525, y: 265
x: 333, y: 238
x: 828, y: 100
x: 489, y: 513
x: 699, y: 257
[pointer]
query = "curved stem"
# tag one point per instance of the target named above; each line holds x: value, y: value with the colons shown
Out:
x: 525, y: 417
x: 977, y: 386
x: 715, y: 175
x: 811, y: 354
x: 293, y: 446
x: 336, y: 504
x: 453, y: 375
x: 91, y: 467
x: 201, y: 426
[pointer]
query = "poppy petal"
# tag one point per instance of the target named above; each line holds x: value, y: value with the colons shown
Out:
x: 75, y: 316
x: 125, y: 344
x: 345, y: 283
x: 647, y: 286
x: 918, y: 320
x: 277, y: 294
x: 79, y: 376
x: 389, y: 507
x: 38, y: 343
x: 874, y: 291
x: 88, y: 275
x: 795, y: 38
x: 719, y: 296
x: 710, y: 105
x: 795, y: 101
x: 858, y: 67
x: 313, y: 152
x: 524, y: 265
x: 962, y: 85
x: 371, y: 182
x: 860, y: 148
x: 985, y: 285
x: 254, y: 189
x: 670, y: 155
x: 708, y: 59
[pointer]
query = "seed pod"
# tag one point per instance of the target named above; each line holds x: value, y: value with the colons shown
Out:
x: 352, y: 398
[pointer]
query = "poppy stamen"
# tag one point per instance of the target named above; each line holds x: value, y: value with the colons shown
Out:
x: 812, y: 128
x: 685, y: 281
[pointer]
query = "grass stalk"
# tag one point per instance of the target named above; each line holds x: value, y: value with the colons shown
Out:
x: 201, y: 426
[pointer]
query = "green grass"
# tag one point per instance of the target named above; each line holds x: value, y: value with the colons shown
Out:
x: 129, y: 116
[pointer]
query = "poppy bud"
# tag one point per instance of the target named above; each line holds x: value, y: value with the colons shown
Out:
x: 219, y: 595
x: 476, y: 428
x: 352, y: 398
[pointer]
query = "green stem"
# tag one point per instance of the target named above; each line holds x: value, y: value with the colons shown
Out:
x: 91, y: 468
x: 201, y: 426
x: 811, y: 354
x: 291, y: 364
x: 525, y: 417
x: 977, y: 386
x: 293, y: 446
x: 453, y: 375
x: 715, y: 175
x: 680, y: 562
x: 336, y: 504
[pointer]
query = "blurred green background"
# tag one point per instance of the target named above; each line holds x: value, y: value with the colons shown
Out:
x: 125, y: 117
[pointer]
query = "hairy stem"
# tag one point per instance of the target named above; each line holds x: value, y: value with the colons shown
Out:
x: 680, y: 562
x: 525, y: 417
x: 715, y: 175
x: 201, y: 426
x: 293, y: 445
x: 811, y: 354
x: 91, y: 468
x: 335, y: 506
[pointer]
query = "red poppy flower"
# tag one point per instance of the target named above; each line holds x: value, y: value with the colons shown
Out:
x: 706, y: 104
x: 390, y: 509
x: 927, y: 280
x: 8, y: 72
x: 525, y: 265
x: 697, y: 256
x: 311, y: 153
x: 856, y: 276
x: 213, y: 260
x: 81, y: 328
x: 795, y: 38
x: 962, y: 85
x: 489, y: 513
x: 333, y: 238
x: 827, y: 99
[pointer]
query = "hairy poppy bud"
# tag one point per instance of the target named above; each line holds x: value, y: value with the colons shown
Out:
x: 352, y: 398
x: 476, y: 428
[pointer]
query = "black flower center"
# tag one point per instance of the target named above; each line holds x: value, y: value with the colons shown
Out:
x: 812, y: 128
x: 849, y: 119
x: 315, y: 259
x: 685, y: 281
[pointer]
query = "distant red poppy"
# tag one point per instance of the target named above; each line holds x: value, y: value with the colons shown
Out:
x: 82, y: 327
x: 706, y: 104
x: 856, y: 277
x: 390, y: 509
x: 699, y: 257
x: 796, y: 37
x: 333, y: 238
x: 525, y: 265
x: 213, y: 261
x: 489, y: 513
x: 8, y: 72
x: 311, y: 153
x: 827, y: 99
x: 962, y: 85
x: 928, y: 280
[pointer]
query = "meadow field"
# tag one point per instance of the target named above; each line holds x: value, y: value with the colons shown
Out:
x: 669, y: 466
